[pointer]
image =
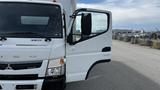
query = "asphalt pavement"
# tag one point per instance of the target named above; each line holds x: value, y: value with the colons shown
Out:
x: 133, y: 67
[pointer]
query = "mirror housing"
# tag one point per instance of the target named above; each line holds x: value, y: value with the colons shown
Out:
x: 70, y: 39
x: 86, y: 23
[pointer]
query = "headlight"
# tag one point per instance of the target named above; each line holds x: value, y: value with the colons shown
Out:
x: 56, y: 67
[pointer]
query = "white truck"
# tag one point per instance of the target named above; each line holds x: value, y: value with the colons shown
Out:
x: 46, y: 43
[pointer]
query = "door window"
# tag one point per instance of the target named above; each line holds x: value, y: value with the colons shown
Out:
x: 99, y: 25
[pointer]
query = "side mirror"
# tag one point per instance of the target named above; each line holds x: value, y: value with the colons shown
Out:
x: 70, y: 39
x: 86, y: 23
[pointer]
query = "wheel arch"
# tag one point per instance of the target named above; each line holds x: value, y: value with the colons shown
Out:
x: 94, y: 64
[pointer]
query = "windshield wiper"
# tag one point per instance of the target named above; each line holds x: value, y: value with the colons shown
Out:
x: 47, y: 39
x: 2, y: 38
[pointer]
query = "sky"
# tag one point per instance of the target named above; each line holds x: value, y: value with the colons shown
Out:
x: 129, y: 14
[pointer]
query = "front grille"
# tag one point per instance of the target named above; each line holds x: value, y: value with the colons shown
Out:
x: 19, y: 66
x: 19, y: 77
x: 3, y: 66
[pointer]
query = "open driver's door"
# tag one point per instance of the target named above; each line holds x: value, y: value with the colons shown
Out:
x: 89, y: 42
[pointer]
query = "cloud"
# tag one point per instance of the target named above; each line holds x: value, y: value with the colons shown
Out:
x: 130, y: 12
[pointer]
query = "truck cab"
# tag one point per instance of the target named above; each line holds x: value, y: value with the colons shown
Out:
x: 45, y: 44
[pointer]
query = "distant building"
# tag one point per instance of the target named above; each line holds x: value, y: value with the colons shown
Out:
x: 122, y: 31
x: 127, y: 32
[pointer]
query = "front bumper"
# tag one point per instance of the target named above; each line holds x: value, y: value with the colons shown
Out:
x: 58, y: 83
x: 39, y: 84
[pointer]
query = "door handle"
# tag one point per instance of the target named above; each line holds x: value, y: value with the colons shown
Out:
x: 106, y: 49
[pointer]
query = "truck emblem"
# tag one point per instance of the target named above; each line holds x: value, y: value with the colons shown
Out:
x: 9, y: 67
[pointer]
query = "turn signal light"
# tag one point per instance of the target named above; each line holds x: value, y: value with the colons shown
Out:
x: 61, y: 61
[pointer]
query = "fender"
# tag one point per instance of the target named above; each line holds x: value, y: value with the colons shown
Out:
x: 97, y: 62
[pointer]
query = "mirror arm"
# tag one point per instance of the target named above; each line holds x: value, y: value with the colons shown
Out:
x: 74, y: 16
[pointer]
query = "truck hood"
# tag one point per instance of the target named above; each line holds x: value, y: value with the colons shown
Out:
x: 15, y: 49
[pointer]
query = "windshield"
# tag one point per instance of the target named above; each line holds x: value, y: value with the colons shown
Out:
x: 28, y: 20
